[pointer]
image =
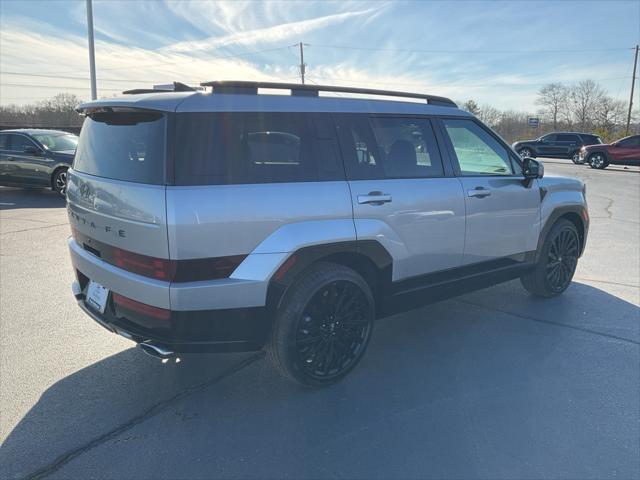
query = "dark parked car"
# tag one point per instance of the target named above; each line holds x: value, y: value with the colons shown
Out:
x: 556, y: 144
x: 36, y: 158
x: 625, y: 151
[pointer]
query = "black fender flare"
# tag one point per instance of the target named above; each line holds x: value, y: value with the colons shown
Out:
x: 572, y: 212
x: 378, y: 261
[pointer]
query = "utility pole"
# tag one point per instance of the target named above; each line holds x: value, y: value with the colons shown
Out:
x: 303, y: 65
x: 633, y: 84
x: 92, y: 55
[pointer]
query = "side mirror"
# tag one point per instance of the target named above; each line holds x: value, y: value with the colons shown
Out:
x: 531, y: 170
x: 31, y: 150
x: 615, y: 144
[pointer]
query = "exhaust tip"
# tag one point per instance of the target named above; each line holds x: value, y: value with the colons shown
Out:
x: 156, y: 351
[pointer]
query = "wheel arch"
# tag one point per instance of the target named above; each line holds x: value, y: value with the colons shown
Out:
x: 576, y: 214
x: 603, y: 152
x: 367, y: 257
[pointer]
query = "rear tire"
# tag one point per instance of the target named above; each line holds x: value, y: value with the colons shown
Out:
x: 598, y: 161
x: 575, y: 158
x: 323, y: 326
x: 557, y: 261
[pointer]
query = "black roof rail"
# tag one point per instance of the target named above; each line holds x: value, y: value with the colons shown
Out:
x: 248, y: 87
x: 171, y: 87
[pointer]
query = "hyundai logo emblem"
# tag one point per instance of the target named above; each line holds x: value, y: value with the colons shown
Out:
x: 85, y: 191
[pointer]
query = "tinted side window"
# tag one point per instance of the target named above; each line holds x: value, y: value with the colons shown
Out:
x: 407, y: 147
x: 477, y: 152
x: 4, y: 141
x: 18, y: 143
x: 591, y: 139
x: 388, y: 147
x: 236, y: 148
x: 568, y: 138
x: 549, y: 138
x: 630, y: 142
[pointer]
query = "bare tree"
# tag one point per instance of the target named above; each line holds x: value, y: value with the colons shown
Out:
x: 490, y: 115
x: 585, y: 96
x: 553, y: 98
x: 472, y: 107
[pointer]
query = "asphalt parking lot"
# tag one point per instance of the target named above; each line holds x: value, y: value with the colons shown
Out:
x: 494, y: 384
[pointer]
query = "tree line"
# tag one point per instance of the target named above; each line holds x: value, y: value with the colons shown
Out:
x: 584, y: 106
x: 56, y: 112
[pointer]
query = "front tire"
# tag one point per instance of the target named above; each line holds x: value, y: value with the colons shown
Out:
x: 323, y: 326
x: 59, y: 181
x: 557, y: 261
x: 598, y: 161
x: 525, y: 152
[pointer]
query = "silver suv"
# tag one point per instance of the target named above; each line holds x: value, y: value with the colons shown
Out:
x: 238, y: 220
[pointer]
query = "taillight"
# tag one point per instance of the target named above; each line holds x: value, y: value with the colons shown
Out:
x: 159, y: 268
x: 143, y: 308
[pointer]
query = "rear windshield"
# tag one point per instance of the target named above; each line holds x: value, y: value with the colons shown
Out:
x: 127, y: 146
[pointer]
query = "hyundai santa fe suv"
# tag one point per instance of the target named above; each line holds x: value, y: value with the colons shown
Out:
x: 557, y: 145
x: 234, y: 220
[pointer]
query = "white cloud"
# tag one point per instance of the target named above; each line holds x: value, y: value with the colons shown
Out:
x: 268, y: 35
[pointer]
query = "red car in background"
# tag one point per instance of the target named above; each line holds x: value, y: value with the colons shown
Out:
x: 625, y: 151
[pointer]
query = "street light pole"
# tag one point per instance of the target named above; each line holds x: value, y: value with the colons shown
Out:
x: 92, y: 55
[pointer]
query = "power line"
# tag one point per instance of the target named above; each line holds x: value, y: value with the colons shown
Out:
x: 412, y: 50
x: 27, y: 74
x: 180, y: 62
x: 416, y: 84
x: 56, y: 87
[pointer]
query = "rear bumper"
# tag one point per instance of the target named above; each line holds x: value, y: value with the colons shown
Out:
x: 227, y: 315
x: 229, y: 330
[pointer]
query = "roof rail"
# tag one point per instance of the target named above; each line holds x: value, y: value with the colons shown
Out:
x: 169, y: 87
x: 251, y: 88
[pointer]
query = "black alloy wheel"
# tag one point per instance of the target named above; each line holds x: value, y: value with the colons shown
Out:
x: 556, y: 261
x: 333, y: 330
x: 562, y: 259
x: 323, y: 325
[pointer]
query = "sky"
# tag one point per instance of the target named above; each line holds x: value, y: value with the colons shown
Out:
x: 498, y: 52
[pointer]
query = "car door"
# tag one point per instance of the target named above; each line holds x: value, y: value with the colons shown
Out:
x: 502, y: 214
x: 628, y: 149
x: 4, y: 143
x: 403, y: 195
x: 25, y: 161
x: 566, y: 144
x: 546, y: 146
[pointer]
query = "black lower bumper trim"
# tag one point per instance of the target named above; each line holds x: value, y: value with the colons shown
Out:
x: 201, y: 331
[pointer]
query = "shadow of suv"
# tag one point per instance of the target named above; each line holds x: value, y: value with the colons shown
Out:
x: 556, y: 144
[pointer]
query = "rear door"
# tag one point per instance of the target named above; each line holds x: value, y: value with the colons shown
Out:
x: 567, y: 143
x: 116, y: 188
x: 400, y: 193
x: 503, y: 216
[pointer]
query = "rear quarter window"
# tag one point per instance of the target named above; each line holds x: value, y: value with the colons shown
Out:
x: 123, y: 145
